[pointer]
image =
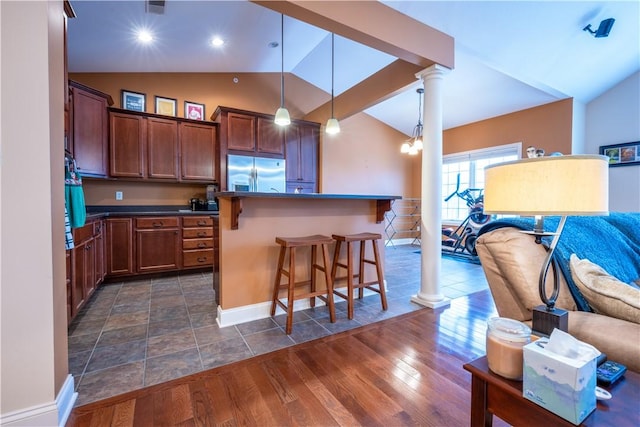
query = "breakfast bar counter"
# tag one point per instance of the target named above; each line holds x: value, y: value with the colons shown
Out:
x: 249, y: 224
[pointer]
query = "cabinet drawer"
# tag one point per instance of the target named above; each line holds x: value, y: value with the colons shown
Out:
x: 196, y: 233
x: 197, y: 258
x: 197, y: 221
x: 83, y: 233
x: 157, y: 222
x: 197, y: 244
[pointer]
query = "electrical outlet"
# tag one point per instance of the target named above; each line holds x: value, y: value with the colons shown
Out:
x: 118, y: 195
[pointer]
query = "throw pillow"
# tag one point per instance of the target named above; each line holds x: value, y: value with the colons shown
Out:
x: 605, y: 294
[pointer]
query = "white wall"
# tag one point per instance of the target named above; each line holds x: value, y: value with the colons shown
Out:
x: 612, y: 118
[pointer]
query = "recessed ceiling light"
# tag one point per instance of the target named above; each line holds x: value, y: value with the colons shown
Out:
x: 217, y: 42
x: 145, y: 36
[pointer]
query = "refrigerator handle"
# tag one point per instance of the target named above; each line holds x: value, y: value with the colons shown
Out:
x: 254, y: 179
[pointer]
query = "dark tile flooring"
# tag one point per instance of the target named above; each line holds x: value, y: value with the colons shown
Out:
x: 138, y: 333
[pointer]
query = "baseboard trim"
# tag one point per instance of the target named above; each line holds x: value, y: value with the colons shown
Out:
x: 54, y: 413
x: 262, y: 310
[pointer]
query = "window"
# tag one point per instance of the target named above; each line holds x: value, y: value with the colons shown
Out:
x: 470, y: 167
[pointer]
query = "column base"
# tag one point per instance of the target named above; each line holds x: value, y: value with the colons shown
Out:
x: 442, y: 302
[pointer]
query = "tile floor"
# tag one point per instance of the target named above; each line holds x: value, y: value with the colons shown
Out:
x: 138, y: 333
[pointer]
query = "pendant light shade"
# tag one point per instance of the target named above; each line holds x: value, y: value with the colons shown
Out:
x: 414, y: 145
x: 333, y: 126
x: 282, y: 115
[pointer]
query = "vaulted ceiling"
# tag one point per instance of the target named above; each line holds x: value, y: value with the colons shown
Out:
x: 509, y: 55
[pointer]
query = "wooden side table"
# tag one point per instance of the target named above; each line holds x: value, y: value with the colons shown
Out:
x: 492, y: 395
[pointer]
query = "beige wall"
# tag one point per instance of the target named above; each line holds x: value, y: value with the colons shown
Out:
x: 100, y: 192
x: 32, y: 266
x: 363, y: 159
x: 547, y: 126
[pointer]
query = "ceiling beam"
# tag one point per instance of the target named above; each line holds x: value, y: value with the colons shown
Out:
x: 371, y: 23
x: 376, y: 25
x: 386, y: 83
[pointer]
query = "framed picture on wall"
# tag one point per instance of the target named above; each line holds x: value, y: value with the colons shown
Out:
x: 133, y: 100
x: 166, y: 106
x: 622, y: 154
x: 193, y: 110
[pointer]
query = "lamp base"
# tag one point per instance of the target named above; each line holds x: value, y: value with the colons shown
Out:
x: 545, y: 321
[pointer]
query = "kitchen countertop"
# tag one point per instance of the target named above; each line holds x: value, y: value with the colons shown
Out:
x: 94, y: 212
x: 249, y: 194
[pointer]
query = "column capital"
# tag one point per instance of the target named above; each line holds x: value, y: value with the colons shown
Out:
x: 435, y: 69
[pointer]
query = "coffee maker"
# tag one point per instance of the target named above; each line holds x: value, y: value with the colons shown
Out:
x: 210, y: 204
x: 212, y: 201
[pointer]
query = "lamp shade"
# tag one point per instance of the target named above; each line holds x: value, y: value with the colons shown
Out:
x: 282, y: 117
x: 333, y: 127
x: 556, y: 185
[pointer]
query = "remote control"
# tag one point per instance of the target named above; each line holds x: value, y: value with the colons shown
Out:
x: 610, y: 372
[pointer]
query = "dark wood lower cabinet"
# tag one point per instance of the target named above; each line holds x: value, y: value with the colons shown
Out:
x: 131, y: 246
x: 84, y: 265
x: 119, y: 246
x: 157, y: 250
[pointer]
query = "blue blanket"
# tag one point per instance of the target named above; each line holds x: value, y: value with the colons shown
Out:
x: 612, y: 242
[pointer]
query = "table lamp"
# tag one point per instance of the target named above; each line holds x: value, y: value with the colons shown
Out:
x: 556, y: 185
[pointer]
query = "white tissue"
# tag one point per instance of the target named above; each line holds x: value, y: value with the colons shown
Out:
x: 563, y: 344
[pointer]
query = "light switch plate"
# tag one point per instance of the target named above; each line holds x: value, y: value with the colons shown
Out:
x: 118, y: 195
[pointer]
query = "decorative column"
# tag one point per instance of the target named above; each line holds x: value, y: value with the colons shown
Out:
x: 431, y: 207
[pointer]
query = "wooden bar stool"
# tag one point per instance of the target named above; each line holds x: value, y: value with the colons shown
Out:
x: 361, y: 284
x: 325, y: 294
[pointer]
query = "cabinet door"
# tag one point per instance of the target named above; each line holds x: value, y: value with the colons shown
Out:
x: 70, y: 311
x: 119, y: 246
x: 89, y: 268
x: 157, y: 250
x: 309, y: 146
x: 241, y: 132
x: 162, y: 148
x: 292, y: 143
x: 270, y: 137
x: 197, y: 152
x: 89, y: 132
x: 78, y: 277
x: 99, y: 242
x: 127, y: 150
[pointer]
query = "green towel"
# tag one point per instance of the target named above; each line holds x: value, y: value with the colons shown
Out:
x: 74, y: 196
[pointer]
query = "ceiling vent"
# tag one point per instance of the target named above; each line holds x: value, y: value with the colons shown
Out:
x: 155, y: 6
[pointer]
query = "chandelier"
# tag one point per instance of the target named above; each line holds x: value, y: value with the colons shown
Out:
x: 414, y: 145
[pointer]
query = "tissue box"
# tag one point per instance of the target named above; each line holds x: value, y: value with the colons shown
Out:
x: 559, y: 384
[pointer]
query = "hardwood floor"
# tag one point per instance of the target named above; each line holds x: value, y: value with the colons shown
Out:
x: 406, y: 370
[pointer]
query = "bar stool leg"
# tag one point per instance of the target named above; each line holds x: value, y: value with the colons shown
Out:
x: 363, y: 248
x: 376, y: 257
x: 329, y: 281
x: 291, y: 288
x: 314, y: 268
x: 350, y: 280
x: 276, y: 285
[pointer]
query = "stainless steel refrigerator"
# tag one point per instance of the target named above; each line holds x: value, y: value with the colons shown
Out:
x: 259, y: 174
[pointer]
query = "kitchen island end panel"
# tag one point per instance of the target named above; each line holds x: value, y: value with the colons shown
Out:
x: 248, y: 254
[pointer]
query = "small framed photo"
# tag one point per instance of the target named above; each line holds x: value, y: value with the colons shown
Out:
x: 622, y: 154
x: 193, y: 110
x: 133, y: 100
x: 166, y: 106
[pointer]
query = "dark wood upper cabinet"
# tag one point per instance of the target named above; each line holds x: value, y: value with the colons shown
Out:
x: 162, y: 148
x: 302, y: 146
x: 241, y: 132
x: 148, y: 146
x: 88, y: 129
x: 127, y: 145
x: 198, y: 151
x: 270, y: 136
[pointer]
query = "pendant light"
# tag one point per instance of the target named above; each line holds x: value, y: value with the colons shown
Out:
x: 414, y: 144
x: 282, y: 115
x: 333, y: 126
